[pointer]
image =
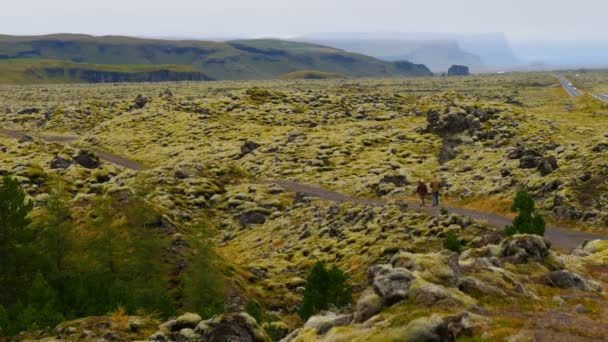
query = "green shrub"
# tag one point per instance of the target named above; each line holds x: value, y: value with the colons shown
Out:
x: 4, y: 322
x: 443, y: 211
x: 254, y: 309
x: 528, y: 220
x: 452, y: 242
x: 325, y: 288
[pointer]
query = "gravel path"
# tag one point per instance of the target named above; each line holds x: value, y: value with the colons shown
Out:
x: 68, y: 139
x: 561, y: 238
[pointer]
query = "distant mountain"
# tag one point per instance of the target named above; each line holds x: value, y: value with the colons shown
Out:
x: 438, y: 55
x: 493, y: 49
x: 232, y: 60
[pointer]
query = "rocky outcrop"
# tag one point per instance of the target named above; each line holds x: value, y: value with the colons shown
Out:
x: 86, y: 159
x: 60, y: 163
x: 323, y: 322
x: 533, y: 159
x: 392, y: 284
x: 568, y: 280
x: 439, y: 329
x: 458, y: 70
x: 233, y: 327
x: 520, y: 249
x: 248, y: 147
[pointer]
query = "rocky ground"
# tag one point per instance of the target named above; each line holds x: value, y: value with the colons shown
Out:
x: 206, y: 150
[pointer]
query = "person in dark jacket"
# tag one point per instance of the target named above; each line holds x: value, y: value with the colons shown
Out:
x: 422, y: 190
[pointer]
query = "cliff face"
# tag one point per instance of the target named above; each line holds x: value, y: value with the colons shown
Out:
x: 96, y: 76
x: 42, y: 72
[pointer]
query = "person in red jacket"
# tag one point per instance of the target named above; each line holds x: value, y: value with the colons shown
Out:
x: 422, y: 190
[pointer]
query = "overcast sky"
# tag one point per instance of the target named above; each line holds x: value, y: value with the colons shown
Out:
x: 519, y: 19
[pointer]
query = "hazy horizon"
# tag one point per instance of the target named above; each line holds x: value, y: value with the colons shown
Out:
x: 519, y: 20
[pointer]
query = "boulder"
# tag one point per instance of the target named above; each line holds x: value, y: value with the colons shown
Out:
x: 439, y: 267
x: 569, y: 280
x: 438, y: 329
x: 86, y: 159
x: 323, y: 322
x: 187, y: 320
x: 158, y: 337
x: 517, y: 152
x: 524, y: 248
x: 25, y: 138
x: 548, y: 165
x: 139, y: 102
x: 393, y: 286
x: 180, y: 174
x: 248, y: 147
x: 368, y: 305
x: 60, y: 163
x: 603, y: 146
x: 231, y: 327
x: 530, y: 162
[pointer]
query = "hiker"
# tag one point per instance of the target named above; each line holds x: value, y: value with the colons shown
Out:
x: 435, y: 186
x: 422, y: 190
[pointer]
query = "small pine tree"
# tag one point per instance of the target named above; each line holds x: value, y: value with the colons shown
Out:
x: 325, y: 288
x: 527, y: 221
x: 4, y: 322
x: 203, y: 283
x: 14, y: 220
x: 42, y: 308
x: 452, y: 242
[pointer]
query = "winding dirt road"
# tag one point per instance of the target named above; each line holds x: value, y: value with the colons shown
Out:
x: 70, y: 139
x: 561, y: 238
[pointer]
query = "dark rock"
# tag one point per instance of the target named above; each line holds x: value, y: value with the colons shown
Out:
x: 505, y: 172
x: 585, y: 177
x: 248, y: 147
x: 517, y: 152
x: 26, y: 111
x: 180, y: 174
x: 139, y: 102
x: 458, y: 70
x: 60, y: 163
x: 25, y: 138
x: 158, y: 337
x: 86, y: 159
x: 551, y: 186
x: 548, y: 165
x: 565, y: 280
x: 530, y: 162
x: 398, y: 180
x: 600, y: 147
x: 253, y: 217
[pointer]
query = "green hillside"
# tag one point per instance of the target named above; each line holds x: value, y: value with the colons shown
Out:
x: 240, y: 59
x: 310, y: 75
x: 33, y: 71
